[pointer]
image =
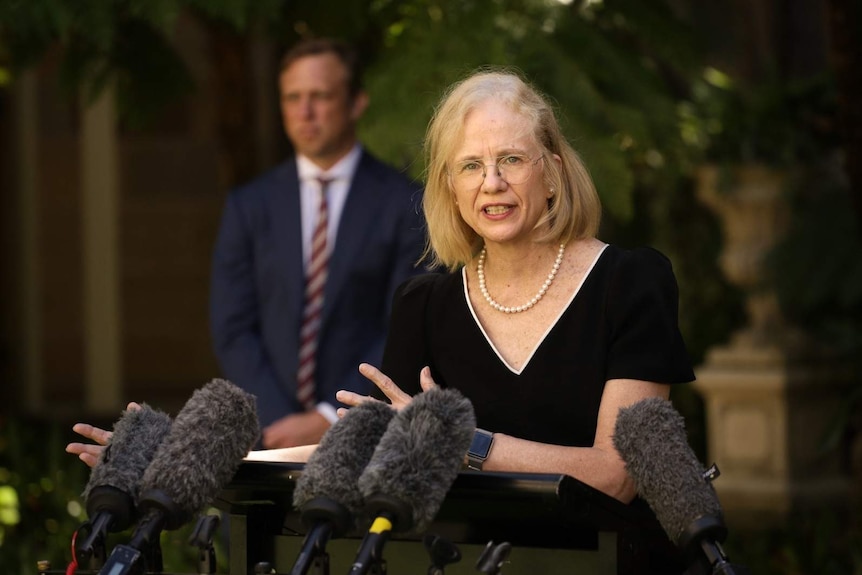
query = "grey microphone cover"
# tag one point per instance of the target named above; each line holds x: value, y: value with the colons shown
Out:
x: 420, y: 455
x: 210, y: 436
x: 333, y: 469
x: 651, y: 439
x: 136, y: 436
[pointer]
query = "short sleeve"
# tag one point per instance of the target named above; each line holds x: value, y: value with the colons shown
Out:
x: 643, y: 312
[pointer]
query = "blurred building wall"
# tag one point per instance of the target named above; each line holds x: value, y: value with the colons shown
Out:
x: 56, y: 350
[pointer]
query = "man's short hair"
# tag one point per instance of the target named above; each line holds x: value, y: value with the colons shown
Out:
x: 341, y: 49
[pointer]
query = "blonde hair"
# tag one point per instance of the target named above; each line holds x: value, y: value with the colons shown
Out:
x: 574, y: 211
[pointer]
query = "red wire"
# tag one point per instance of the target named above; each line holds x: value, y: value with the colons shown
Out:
x: 73, y: 566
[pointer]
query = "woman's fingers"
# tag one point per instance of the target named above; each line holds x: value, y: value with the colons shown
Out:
x: 89, y: 453
x: 425, y: 380
x: 90, y: 459
x: 398, y: 398
x: 351, y: 398
x: 92, y: 432
x: 86, y: 452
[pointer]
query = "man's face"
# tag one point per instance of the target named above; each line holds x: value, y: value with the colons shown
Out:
x: 318, y: 114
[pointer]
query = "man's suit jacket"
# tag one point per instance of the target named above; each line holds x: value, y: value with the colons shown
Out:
x: 258, y: 282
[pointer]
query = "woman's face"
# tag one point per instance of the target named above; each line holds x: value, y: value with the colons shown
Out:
x: 504, y: 205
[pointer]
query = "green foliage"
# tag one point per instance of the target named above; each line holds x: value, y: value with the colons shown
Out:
x: 40, y: 506
x: 127, y: 43
x: 823, y: 542
x: 778, y: 122
x: 425, y: 48
x: 817, y: 273
x: 822, y: 294
x: 626, y: 131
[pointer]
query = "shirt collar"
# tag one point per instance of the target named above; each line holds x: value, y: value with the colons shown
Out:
x: 342, y: 170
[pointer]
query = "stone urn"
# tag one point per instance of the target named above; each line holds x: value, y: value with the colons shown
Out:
x: 771, y: 392
x: 749, y: 201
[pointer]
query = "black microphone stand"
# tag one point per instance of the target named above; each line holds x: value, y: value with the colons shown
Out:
x: 718, y: 560
x: 703, y: 540
x: 492, y: 558
x: 202, y: 538
x: 325, y: 519
x: 369, y: 559
x: 313, y: 557
x: 442, y: 553
x: 92, y: 549
x: 391, y: 514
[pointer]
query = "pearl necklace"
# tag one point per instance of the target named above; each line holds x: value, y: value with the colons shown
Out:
x: 480, y: 271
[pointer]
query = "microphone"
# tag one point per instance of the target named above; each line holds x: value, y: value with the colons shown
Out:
x: 413, y: 466
x: 111, y: 494
x: 327, y: 493
x: 209, y: 438
x: 650, y: 437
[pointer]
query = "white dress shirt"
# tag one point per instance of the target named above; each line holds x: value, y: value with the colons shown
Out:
x: 340, y: 176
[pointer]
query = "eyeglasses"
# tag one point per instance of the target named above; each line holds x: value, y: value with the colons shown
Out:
x: 514, y: 168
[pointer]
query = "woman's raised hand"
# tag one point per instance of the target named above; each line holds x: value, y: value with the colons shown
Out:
x: 87, y: 452
x: 398, y: 398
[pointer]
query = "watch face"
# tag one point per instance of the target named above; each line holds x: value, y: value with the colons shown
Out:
x: 481, y: 444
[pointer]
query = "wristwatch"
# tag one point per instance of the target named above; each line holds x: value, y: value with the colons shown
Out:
x: 480, y: 447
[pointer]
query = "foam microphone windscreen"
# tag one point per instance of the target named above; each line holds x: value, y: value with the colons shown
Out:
x: 651, y: 439
x: 420, y: 455
x: 210, y: 436
x: 115, y: 479
x: 333, y: 469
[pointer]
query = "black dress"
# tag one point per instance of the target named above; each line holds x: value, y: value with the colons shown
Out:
x: 620, y: 323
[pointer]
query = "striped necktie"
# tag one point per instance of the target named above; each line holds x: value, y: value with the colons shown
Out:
x: 315, y: 280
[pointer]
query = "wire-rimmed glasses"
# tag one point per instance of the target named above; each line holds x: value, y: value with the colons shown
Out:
x: 514, y: 168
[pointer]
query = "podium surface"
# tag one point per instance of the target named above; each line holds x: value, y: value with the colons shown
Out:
x: 554, y: 523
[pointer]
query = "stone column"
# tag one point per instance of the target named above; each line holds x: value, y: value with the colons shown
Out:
x: 29, y: 278
x: 101, y: 256
x: 772, y: 391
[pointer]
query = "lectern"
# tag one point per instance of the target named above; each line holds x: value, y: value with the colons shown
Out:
x: 553, y: 522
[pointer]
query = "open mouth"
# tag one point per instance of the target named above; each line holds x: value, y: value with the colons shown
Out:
x: 496, y: 210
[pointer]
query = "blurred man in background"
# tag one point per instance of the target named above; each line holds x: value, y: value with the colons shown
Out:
x: 309, y: 254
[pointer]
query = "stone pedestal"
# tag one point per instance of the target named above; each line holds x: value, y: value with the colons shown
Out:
x: 772, y: 392
x: 767, y: 414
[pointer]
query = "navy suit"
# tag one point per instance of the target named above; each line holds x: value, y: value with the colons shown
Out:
x: 258, y: 282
